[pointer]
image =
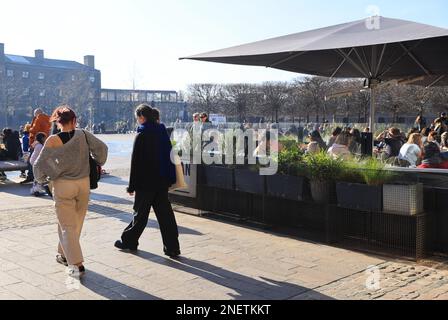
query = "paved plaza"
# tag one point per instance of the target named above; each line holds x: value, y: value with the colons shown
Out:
x: 220, y: 260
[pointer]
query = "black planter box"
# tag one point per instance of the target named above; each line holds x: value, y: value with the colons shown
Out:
x: 323, y: 192
x: 218, y: 177
x: 286, y: 187
x: 360, y: 196
x: 249, y: 181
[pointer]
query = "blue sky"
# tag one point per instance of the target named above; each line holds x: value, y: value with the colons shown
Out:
x: 143, y: 39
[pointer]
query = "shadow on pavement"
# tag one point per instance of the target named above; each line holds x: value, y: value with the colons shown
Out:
x: 112, y: 289
x: 127, y: 218
x: 110, y: 199
x: 247, y: 288
x: 110, y: 179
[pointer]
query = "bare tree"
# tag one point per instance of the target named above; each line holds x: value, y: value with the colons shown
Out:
x: 78, y: 91
x: 239, y: 99
x: 205, y: 97
x: 315, y: 89
x: 275, y: 95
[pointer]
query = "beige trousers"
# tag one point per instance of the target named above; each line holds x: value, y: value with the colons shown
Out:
x: 71, y: 199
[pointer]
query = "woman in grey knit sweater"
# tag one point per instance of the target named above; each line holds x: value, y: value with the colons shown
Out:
x: 64, y: 160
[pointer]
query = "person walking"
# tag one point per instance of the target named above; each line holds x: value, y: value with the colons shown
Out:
x: 64, y: 159
x: 152, y: 174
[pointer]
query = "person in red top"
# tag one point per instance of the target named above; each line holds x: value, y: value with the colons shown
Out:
x: 41, y: 123
x: 433, y: 158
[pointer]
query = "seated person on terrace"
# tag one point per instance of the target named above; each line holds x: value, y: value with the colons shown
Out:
x: 333, y: 137
x: 440, y: 126
x: 444, y: 145
x: 355, y: 146
x: 432, y: 158
x: 411, y: 152
x: 340, y: 147
x: 391, y: 142
x: 434, y: 137
x: 316, y: 144
x: 425, y: 133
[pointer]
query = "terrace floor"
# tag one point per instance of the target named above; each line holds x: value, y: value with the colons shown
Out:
x: 219, y: 260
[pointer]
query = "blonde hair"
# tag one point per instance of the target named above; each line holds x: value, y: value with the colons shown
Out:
x: 415, y: 138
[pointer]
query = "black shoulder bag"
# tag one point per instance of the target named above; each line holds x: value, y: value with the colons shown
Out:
x: 95, y: 169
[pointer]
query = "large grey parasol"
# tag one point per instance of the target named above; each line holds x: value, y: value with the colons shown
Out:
x: 378, y: 49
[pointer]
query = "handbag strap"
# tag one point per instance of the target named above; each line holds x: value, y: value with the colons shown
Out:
x: 87, y: 140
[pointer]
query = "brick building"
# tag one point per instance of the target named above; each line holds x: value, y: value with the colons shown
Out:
x: 30, y: 82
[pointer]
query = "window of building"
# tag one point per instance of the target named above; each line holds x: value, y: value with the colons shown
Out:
x: 26, y: 92
x: 142, y: 97
x: 10, y: 73
x: 11, y: 110
x: 150, y: 97
x: 134, y: 96
x: 25, y: 74
x: 73, y: 78
x: 124, y: 97
x: 157, y: 97
x: 107, y: 96
x: 165, y: 97
x: 173, y: 97
x: 42, y: 93
x: 10, y: 91
x: 111, y: 96
x: 92, y: 79
x: 41, y: 76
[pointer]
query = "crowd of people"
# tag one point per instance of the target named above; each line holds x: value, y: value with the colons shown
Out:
x: 423, y: 146
x: 26, y: 144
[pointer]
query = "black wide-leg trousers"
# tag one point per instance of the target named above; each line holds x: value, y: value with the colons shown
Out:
x: 159, y: 201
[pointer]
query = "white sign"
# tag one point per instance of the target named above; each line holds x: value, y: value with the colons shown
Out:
x: 191, y: 179
x: 218, y: 118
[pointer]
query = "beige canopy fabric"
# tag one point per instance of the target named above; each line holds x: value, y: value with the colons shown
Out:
x: 375, y: 48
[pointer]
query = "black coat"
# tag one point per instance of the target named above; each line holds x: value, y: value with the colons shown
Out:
x: 13, y: 146
x: 146, y: 165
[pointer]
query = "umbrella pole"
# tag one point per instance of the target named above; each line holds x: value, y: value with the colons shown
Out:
x: 372, y: 113
x: 372, y: 109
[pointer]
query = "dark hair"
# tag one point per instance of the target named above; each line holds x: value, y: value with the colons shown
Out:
x: 337, y: 131
x: 156, y: 114
x: 356, y: 134
x: 63, y: 115
x: 431, y: 150
x: 40, y: 137
x: 150, y: 114
x: 7, y: 132
x: 426, y: 131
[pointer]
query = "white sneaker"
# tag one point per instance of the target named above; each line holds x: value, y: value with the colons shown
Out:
x: 76, y: 272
